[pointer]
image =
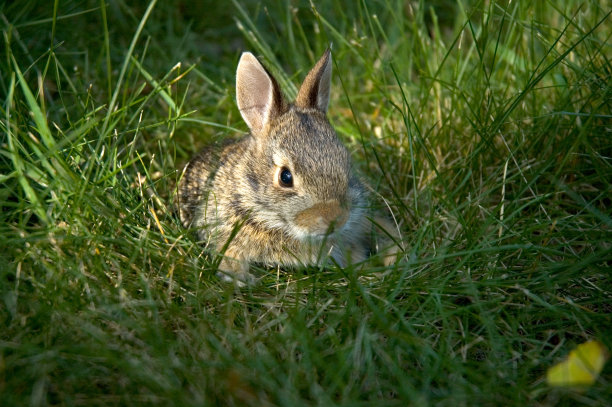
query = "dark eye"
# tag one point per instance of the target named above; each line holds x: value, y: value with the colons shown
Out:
x: 285, y: 178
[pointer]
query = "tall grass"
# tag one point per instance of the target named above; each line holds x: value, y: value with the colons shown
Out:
x: 484, y: 126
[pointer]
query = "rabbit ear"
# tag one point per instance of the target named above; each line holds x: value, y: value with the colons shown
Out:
x: 257, y: 94
x: 314, y: 92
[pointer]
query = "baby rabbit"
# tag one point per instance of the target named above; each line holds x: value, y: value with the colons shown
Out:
x: 285, y: 194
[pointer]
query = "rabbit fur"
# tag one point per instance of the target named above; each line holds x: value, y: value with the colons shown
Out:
x: 233, y: 193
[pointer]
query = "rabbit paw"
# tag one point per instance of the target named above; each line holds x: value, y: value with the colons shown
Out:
x: 235, y: 271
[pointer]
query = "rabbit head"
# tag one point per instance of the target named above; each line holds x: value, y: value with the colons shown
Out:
x: 296, y: 169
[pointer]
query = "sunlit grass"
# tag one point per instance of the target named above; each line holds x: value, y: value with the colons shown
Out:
x: 484, y: 126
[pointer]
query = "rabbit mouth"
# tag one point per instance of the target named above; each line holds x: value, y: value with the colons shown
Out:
x: 322, y: 219
x: 315, y: 236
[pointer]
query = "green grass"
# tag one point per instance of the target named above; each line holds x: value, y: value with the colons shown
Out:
x: 485, y: 126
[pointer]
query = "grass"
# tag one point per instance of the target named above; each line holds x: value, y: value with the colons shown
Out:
x: 485, y: 126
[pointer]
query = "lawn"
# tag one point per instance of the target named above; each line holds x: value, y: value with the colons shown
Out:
x: 485, y: 127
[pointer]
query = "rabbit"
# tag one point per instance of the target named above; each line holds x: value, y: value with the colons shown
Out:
x: 284, y: 195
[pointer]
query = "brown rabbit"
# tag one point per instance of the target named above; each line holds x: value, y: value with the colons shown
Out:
x: 285, y: 194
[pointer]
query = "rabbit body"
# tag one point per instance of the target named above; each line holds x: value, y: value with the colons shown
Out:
x: 285, y: 194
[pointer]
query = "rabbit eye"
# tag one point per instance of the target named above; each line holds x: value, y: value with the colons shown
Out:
x: 285, y: 178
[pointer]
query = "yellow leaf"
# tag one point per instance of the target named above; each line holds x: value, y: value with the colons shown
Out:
x: 581, y: 368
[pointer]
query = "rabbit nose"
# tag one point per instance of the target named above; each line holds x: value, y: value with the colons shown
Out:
x: 322, y: 217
